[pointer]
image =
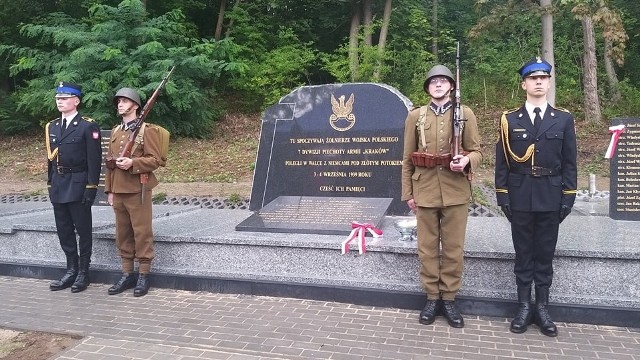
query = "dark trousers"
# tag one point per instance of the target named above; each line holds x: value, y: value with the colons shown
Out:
x: 71, y: 218
x: 535, y: 235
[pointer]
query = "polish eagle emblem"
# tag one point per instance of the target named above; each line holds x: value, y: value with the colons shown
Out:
x: 342, y: 118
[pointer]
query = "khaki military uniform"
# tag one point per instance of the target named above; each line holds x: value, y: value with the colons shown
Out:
x: 442, y: 197
x: 132, y: 201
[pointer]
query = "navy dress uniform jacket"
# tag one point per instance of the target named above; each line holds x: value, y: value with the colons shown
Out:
x: 554, y: 150
x: 75, y: 158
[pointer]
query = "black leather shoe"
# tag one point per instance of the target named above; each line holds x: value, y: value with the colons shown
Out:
x: 142, y: 288
x: 67, y: 280
x: 428, y: 314
x: 81, y: 283
x: 127, y: 281
x: 544, y: 322
x: 541, y: 317
x: 452, y: 314
x: 524, y: 317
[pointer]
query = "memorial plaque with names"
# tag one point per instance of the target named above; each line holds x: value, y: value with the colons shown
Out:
x: 624, y: 197
x: 337, y: 140
x: 101, y: 197
x: 316, y: 215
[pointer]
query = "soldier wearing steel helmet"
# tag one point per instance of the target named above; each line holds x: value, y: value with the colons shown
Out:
x: 436, y: 187
x: 128, y: 184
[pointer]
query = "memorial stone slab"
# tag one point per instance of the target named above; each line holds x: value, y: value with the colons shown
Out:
x: 316, y: 215
x: 624, y: 198
x: 337, y: 140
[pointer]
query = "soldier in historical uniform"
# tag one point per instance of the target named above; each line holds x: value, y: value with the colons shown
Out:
x: 129, y: 182
x: 535, y: 181
x: 75, y: 158
x: 437, y: 187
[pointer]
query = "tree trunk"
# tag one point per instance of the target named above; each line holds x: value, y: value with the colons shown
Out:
x: 612, y: 78
x: 590, y: 78
x: 367, y: 21
x: 434, y: 28
x: 547, y: 46
x: 218, y: 31
x: 230, y: 27
x: 382, y: 41
x: 353, y: 39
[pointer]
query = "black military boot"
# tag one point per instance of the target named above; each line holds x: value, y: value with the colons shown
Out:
x: 428, y: 314
x: 127, y: 281
x: 82, y: 281
x: 452, y: 314
x: 542, y: 318
x: 142, y: 288
x: 524, y: 316
x: 69, y: 277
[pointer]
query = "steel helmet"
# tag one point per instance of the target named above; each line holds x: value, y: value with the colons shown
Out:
x: 439, y: 70
x: 128, y: 93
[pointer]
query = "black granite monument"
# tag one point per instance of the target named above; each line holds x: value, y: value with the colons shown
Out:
x: 624, y: 197
x: 334, y: 141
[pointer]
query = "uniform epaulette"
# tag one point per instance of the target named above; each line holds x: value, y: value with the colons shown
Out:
x: 563, y: 109
x: 510, y: 111
x: 49, y: 122
x: 87, y: 119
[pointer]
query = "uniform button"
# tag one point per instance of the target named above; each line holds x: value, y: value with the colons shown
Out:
x: 537, y: 151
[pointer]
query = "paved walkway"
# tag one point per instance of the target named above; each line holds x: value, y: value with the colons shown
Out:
x: 181, y: 325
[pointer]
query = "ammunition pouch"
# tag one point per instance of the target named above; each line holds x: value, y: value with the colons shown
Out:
x: 110, y: 163
x: 422, y: 159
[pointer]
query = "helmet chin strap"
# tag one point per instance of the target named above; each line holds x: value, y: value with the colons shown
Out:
x: 446, y: 95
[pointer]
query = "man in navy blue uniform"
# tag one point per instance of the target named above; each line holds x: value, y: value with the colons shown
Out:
x: 75, y: 157
x: 535, y: 181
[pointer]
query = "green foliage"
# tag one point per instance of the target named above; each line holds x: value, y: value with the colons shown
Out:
x: 120, y: 46
x: 277, y: 71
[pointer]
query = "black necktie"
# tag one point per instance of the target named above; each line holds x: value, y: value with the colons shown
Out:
x: 64, y: 125
x: 537, y: 120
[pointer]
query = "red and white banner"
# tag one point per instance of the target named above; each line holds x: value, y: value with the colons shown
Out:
x: 615, y: 131
x: 358, y: 233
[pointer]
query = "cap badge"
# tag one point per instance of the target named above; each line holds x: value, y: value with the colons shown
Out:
x: 538, y: 60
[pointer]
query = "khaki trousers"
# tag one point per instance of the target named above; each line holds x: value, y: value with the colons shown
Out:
x: 441, y: 234
x: 134, y: 236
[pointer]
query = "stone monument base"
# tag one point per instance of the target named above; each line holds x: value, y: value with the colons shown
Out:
x: 596, y: 264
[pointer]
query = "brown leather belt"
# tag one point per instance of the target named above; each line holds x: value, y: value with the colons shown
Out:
x: 535, y: 171
x: 422, y: 159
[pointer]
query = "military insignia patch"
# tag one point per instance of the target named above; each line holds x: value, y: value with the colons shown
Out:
x: 95, y: 135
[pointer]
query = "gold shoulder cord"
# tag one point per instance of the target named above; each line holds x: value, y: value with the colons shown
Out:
x: 506, y: 147
x: 422, y: 119
x: 50, y: 155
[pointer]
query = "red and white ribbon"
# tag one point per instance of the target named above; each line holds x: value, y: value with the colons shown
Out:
x: 615, y: 131
x: 358, y: 233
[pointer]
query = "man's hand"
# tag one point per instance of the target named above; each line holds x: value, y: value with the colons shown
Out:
x: 89, y: 197
x: 565, y: 210
x: 506, y: 209
x: 458, y: 163
x: 412, y: 204
x: 124, y: 163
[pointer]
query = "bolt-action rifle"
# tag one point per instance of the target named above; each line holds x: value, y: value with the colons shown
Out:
x: 457, y: 120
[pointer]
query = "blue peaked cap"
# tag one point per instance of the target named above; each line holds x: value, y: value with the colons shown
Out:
x: 65, y: 89
x: 535, y: 66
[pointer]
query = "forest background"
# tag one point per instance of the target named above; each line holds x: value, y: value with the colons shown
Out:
x: 234, y: 58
